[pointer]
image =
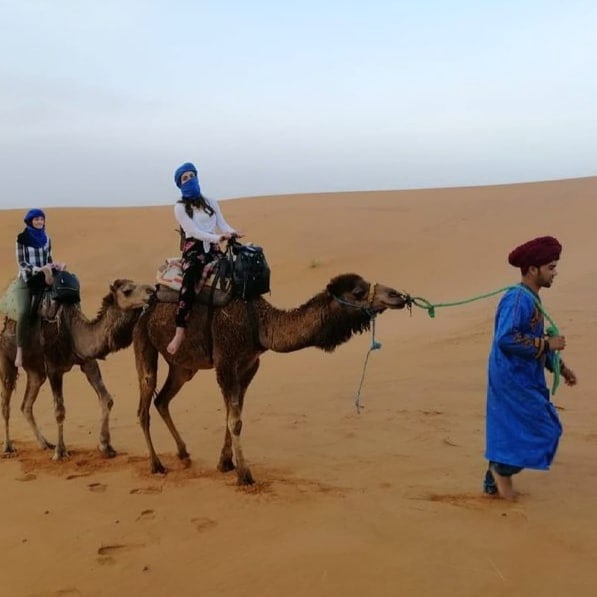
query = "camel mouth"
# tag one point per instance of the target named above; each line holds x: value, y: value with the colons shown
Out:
x: 395, y: 300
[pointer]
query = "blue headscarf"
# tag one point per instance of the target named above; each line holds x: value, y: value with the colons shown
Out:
x: 190, y: 189
x: 186, y: 167
x: 36, y: 237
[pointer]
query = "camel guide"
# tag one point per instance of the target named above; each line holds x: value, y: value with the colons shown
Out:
x: 522, y: 425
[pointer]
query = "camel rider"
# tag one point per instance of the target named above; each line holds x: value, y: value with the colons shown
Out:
x: 34, y: 258
x: 198, y: 218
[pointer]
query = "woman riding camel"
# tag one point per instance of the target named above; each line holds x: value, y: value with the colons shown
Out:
x: 199, y: 218
x: 34, y: 258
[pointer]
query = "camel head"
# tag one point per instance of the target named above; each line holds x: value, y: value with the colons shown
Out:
x: 127, y: 295
x: 352, y: 290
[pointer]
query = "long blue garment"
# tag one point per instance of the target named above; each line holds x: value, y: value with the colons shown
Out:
x: 522, y: 426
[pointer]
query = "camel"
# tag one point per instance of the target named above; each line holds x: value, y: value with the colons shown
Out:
x: 231, y: 338
x: 69, y: 339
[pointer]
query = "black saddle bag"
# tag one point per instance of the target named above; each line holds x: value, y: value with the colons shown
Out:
x: 66, y: 288
x: 250, y: 271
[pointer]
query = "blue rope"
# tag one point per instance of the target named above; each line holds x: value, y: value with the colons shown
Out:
x: 375, y: 345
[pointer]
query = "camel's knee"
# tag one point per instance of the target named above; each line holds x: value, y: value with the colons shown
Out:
x: 235, y: 426
x: 148, y: 382
x: 60, y: 414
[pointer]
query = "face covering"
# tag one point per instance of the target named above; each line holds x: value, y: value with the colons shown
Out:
x: 190, y: 189
x: 36, y: 238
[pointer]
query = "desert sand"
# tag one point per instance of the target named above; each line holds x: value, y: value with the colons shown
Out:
x: 387, y: 502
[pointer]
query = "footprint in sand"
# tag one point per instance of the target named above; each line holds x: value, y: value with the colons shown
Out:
x: 108, y: 550
x: 76, y: 476
x: 152, y: 489
x: 146, y: 515
x: 97, y: 487
x: 201, y: 523
x: 27, y: 477
x: 106, y: 553
x: 68, y: 592
x: 462, y: 500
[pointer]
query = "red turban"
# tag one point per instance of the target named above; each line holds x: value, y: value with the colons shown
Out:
x: 537, y: 252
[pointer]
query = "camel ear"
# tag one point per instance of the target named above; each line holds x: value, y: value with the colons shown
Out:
x: 115, y: 285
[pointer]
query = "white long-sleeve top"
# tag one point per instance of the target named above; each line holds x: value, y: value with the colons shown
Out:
x: 202, y: 226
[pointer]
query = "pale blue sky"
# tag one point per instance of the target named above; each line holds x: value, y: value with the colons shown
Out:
x: 101, y: 101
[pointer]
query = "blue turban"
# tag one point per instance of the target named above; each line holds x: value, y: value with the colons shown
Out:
x: 186, y: 167
x: 33, y: 213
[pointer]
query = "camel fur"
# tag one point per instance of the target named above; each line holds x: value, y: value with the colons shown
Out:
x: 231, y: 339
x: 55, y: 346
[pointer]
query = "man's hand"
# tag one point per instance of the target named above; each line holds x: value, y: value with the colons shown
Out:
x: 556, y: 342
x: 569, y: 376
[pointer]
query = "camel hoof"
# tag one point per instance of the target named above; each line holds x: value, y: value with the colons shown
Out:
x: 246, y: 478
x: 60, y: 454
x: 107, y: 451
x: 225, y: 466
x: 157, y: 468
x: 184, y: 455
x: 9, y: 451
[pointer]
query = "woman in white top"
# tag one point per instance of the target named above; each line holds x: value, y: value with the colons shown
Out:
x: 199, y: 218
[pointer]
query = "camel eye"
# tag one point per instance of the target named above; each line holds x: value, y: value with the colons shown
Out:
x: 359, y: 293
x: 128, y: 292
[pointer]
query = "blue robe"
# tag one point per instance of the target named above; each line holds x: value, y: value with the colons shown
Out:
x: 522, y: 426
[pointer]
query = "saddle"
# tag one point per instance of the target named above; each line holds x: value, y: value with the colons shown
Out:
x: 241, y: 271
x: 212, y: 289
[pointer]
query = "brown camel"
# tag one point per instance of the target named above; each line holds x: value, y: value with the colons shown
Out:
x: 231, y: 339
x: 69, y: 339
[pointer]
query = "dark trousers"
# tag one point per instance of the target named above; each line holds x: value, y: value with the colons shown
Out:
x: 505, y: 470
x: 193, y: 261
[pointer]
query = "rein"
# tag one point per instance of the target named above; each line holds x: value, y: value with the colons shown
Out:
x: 552, y: 330
x: 375, y: 345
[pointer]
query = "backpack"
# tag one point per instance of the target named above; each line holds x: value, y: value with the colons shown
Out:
x: 250, y: 271
x: 66, y: 288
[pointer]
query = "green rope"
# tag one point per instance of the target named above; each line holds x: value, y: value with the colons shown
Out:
x: 552, y: 330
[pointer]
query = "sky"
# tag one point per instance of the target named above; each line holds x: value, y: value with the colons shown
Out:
x: 101, y: 101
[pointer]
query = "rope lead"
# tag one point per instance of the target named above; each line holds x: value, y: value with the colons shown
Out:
x: 552, y: 330
x: 375, y: 345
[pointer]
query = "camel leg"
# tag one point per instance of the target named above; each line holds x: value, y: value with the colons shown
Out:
x: 146, y: 361
x: 234, y: 396
x: 177, y: 377
x: 8, y: 380
x: 35, y: 379
x: 94, y: 377
x: 56, y: 378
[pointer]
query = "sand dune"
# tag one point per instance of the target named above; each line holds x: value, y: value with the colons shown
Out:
x: 386, y: 502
